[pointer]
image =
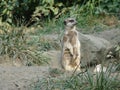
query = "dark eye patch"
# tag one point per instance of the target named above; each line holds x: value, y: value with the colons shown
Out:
x: 71, y: 20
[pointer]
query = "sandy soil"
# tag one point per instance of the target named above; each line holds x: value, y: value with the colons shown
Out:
x: 19, y: 78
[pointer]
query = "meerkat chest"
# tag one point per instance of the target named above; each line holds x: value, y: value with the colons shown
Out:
x: 70, y: 38
x: 70, y: 34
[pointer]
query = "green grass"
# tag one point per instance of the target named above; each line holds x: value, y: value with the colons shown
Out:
x: 85, y: 81
x: 52, y: 26
x: 86, y: 24
x: 14, y: 44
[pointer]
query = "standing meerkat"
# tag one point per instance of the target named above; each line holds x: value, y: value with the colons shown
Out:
x: 70, y: 46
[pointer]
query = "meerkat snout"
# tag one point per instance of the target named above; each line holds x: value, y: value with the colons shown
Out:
x: 70, y: 22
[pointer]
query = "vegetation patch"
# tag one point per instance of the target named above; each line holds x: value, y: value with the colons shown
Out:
x: 14, y: 43
x: 81, y: 81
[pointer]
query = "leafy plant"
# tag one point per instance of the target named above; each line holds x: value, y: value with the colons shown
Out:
x: 110, y: 6
x: 6, y: 10
x: 47, y: 8
x: 117, y: 49
x: 39, y: 10
x: 84, y: 81
x: 117, y: 52
x: 11, y: 10
x: 14, y: 44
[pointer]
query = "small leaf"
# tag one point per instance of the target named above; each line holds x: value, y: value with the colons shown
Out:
x: 4, y: 11
x: 55, y: 11
x: 59, y: 4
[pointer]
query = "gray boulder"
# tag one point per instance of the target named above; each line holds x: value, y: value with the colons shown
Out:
x: 112, y: 35
x: 93, y: 49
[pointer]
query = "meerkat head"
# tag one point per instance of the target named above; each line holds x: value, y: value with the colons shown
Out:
x: 70, y: 22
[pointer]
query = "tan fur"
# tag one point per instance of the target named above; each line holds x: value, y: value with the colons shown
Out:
x: 70, y: 46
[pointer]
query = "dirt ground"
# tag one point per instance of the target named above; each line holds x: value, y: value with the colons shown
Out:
x: 19, y: 78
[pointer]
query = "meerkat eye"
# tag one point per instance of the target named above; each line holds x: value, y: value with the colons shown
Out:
x: 71, y: 20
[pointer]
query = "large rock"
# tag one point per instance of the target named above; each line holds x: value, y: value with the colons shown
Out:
x: 93, y: 49
x: 112, y: 35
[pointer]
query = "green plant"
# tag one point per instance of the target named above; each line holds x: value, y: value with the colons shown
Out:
x: 110, y: 6
x: 12, y: 10
x: 39, y: 10
x: 117, y: 49
x: 47, y: 8
x: 117, y: 52
x: 14, y: 44
x: 6, y: 10
x: 84, y: 81
x: 11, y: 39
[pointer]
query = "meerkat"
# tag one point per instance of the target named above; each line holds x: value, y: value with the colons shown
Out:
x: 70, y: 46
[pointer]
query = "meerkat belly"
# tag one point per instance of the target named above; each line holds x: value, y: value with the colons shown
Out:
x: 69, y: 47
x: 67, y: 54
